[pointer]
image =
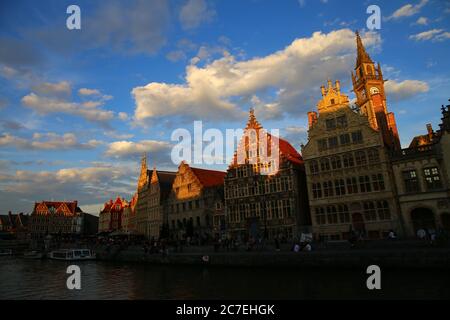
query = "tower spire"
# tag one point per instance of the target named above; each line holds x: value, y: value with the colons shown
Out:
x: 252, y: 123
x: 362, y: 55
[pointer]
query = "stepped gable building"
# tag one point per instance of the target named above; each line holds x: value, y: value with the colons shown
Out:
x: 263, y: 200
x: 153, y: 189
x: 195, y: 199
x: 62, y: 218
x: 14, y: 224
x: 158, y: 194
x: 142, y: 199
x: 350, y: 181
x: 422, y: 175
x: 110, y: 217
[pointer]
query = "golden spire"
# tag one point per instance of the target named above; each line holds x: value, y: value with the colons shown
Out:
x: 143, y: 176
x: 362, y: 55
x: 252, y: 123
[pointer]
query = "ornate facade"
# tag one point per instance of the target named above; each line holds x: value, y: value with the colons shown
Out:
x: 196, y: 197
x: 60, y: 217
x: 142, y: 226
x: 423, y: 181
x: 260, y: 202
x: 350, y: 181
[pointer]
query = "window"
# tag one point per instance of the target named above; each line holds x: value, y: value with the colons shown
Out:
x: 328, y: 189
x: 348, y: 160
x: 364, y: 184
x: 339, y: 186
x: 330, y: 124
x: 344, y: 216
x: 344, y: 139
x: 373, y: 155
x: 336, y: 162
x: 360, y: 158
x: 341, y: 121
x: 352, y: 185
x: 411, y: 181
x: 333, y: 142
x: 325, y: 164
x: 320, y: 216
x: 317, y: 190
x: 322, y: 144
x: 369, y: 211
x: 432, y: 178
x: 313, y: 166
x: 378, y: 182
x: 332, y: 101
x: 383, y: 210
x: 357, y: 136
x: 189, y: 187
x: 332, y: 215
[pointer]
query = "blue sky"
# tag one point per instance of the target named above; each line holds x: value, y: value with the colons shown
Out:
x: 79, y: 107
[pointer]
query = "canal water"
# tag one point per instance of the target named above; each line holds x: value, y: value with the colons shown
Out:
x: 46, y: 279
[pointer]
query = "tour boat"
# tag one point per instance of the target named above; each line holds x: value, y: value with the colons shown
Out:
x: 5, y: 252
x: 72, y: 254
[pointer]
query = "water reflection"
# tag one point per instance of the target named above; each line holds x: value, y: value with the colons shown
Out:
x: 46, y: 279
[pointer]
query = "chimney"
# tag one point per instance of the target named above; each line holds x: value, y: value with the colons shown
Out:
x: 338, y: 86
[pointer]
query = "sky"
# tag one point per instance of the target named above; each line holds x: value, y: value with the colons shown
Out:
x: 78, y: 108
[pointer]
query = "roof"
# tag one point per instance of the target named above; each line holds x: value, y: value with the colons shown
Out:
x: 55, y: 205
x: 209, y: 178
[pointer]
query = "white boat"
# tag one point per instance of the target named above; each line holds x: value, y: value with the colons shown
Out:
x: 72, y: 254
x: 5, y: 252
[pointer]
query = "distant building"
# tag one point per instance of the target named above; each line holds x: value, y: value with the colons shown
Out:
x: 423, y: 179
x: 14, y: 225
x: 62, y: 218
x: 110, y: 217
x: 195, y: 198
x: 265, y: 204
x: 129, y: 216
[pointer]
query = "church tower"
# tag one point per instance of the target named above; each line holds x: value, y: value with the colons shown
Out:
x: 368, y: 85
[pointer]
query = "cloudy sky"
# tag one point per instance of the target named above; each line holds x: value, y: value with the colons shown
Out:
x: 79, y: 107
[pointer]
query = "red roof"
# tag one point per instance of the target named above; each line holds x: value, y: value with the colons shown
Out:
x: 287, y: 150
x: 209, y: 178
x: 71, y: 205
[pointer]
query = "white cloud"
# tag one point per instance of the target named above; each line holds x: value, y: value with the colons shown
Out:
x: 194, y: 13
x: 123, y: 116
x: 88, y: 92
x: 408, y: 10
x: 433, y: 35
x: 211, y: 91
x: 45, y: 105
x: 405, y: 89
x: 422, y: 21
x: 52, y: 89
x: 94, y: 184
x: 124, y: 149
x: 47, y: 141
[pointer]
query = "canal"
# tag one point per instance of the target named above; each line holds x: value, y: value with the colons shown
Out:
x: 46, y: 279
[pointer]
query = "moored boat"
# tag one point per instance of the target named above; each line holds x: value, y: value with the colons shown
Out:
x: 33, y: 255
x: 5, y: 252
x: 72, y: 254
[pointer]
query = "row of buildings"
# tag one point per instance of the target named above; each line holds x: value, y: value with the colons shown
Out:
x: 54, y: 218
x: 352, y: 176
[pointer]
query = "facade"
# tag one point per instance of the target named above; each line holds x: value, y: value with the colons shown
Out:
x: 129, y: 216
x: 110, y: 217
x: 350, y: 180
x: 422, y: 176
x: 265, y: 204
x: 159, y: 190
x: 62, y: 218
x: 142, y: 226
x: 195, y: 198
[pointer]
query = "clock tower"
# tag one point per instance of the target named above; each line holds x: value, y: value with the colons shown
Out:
x: 368, y: 85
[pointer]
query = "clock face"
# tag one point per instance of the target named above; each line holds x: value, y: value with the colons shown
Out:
x: 374, y: 90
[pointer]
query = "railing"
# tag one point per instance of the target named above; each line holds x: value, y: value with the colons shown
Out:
x: 421, y: 151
